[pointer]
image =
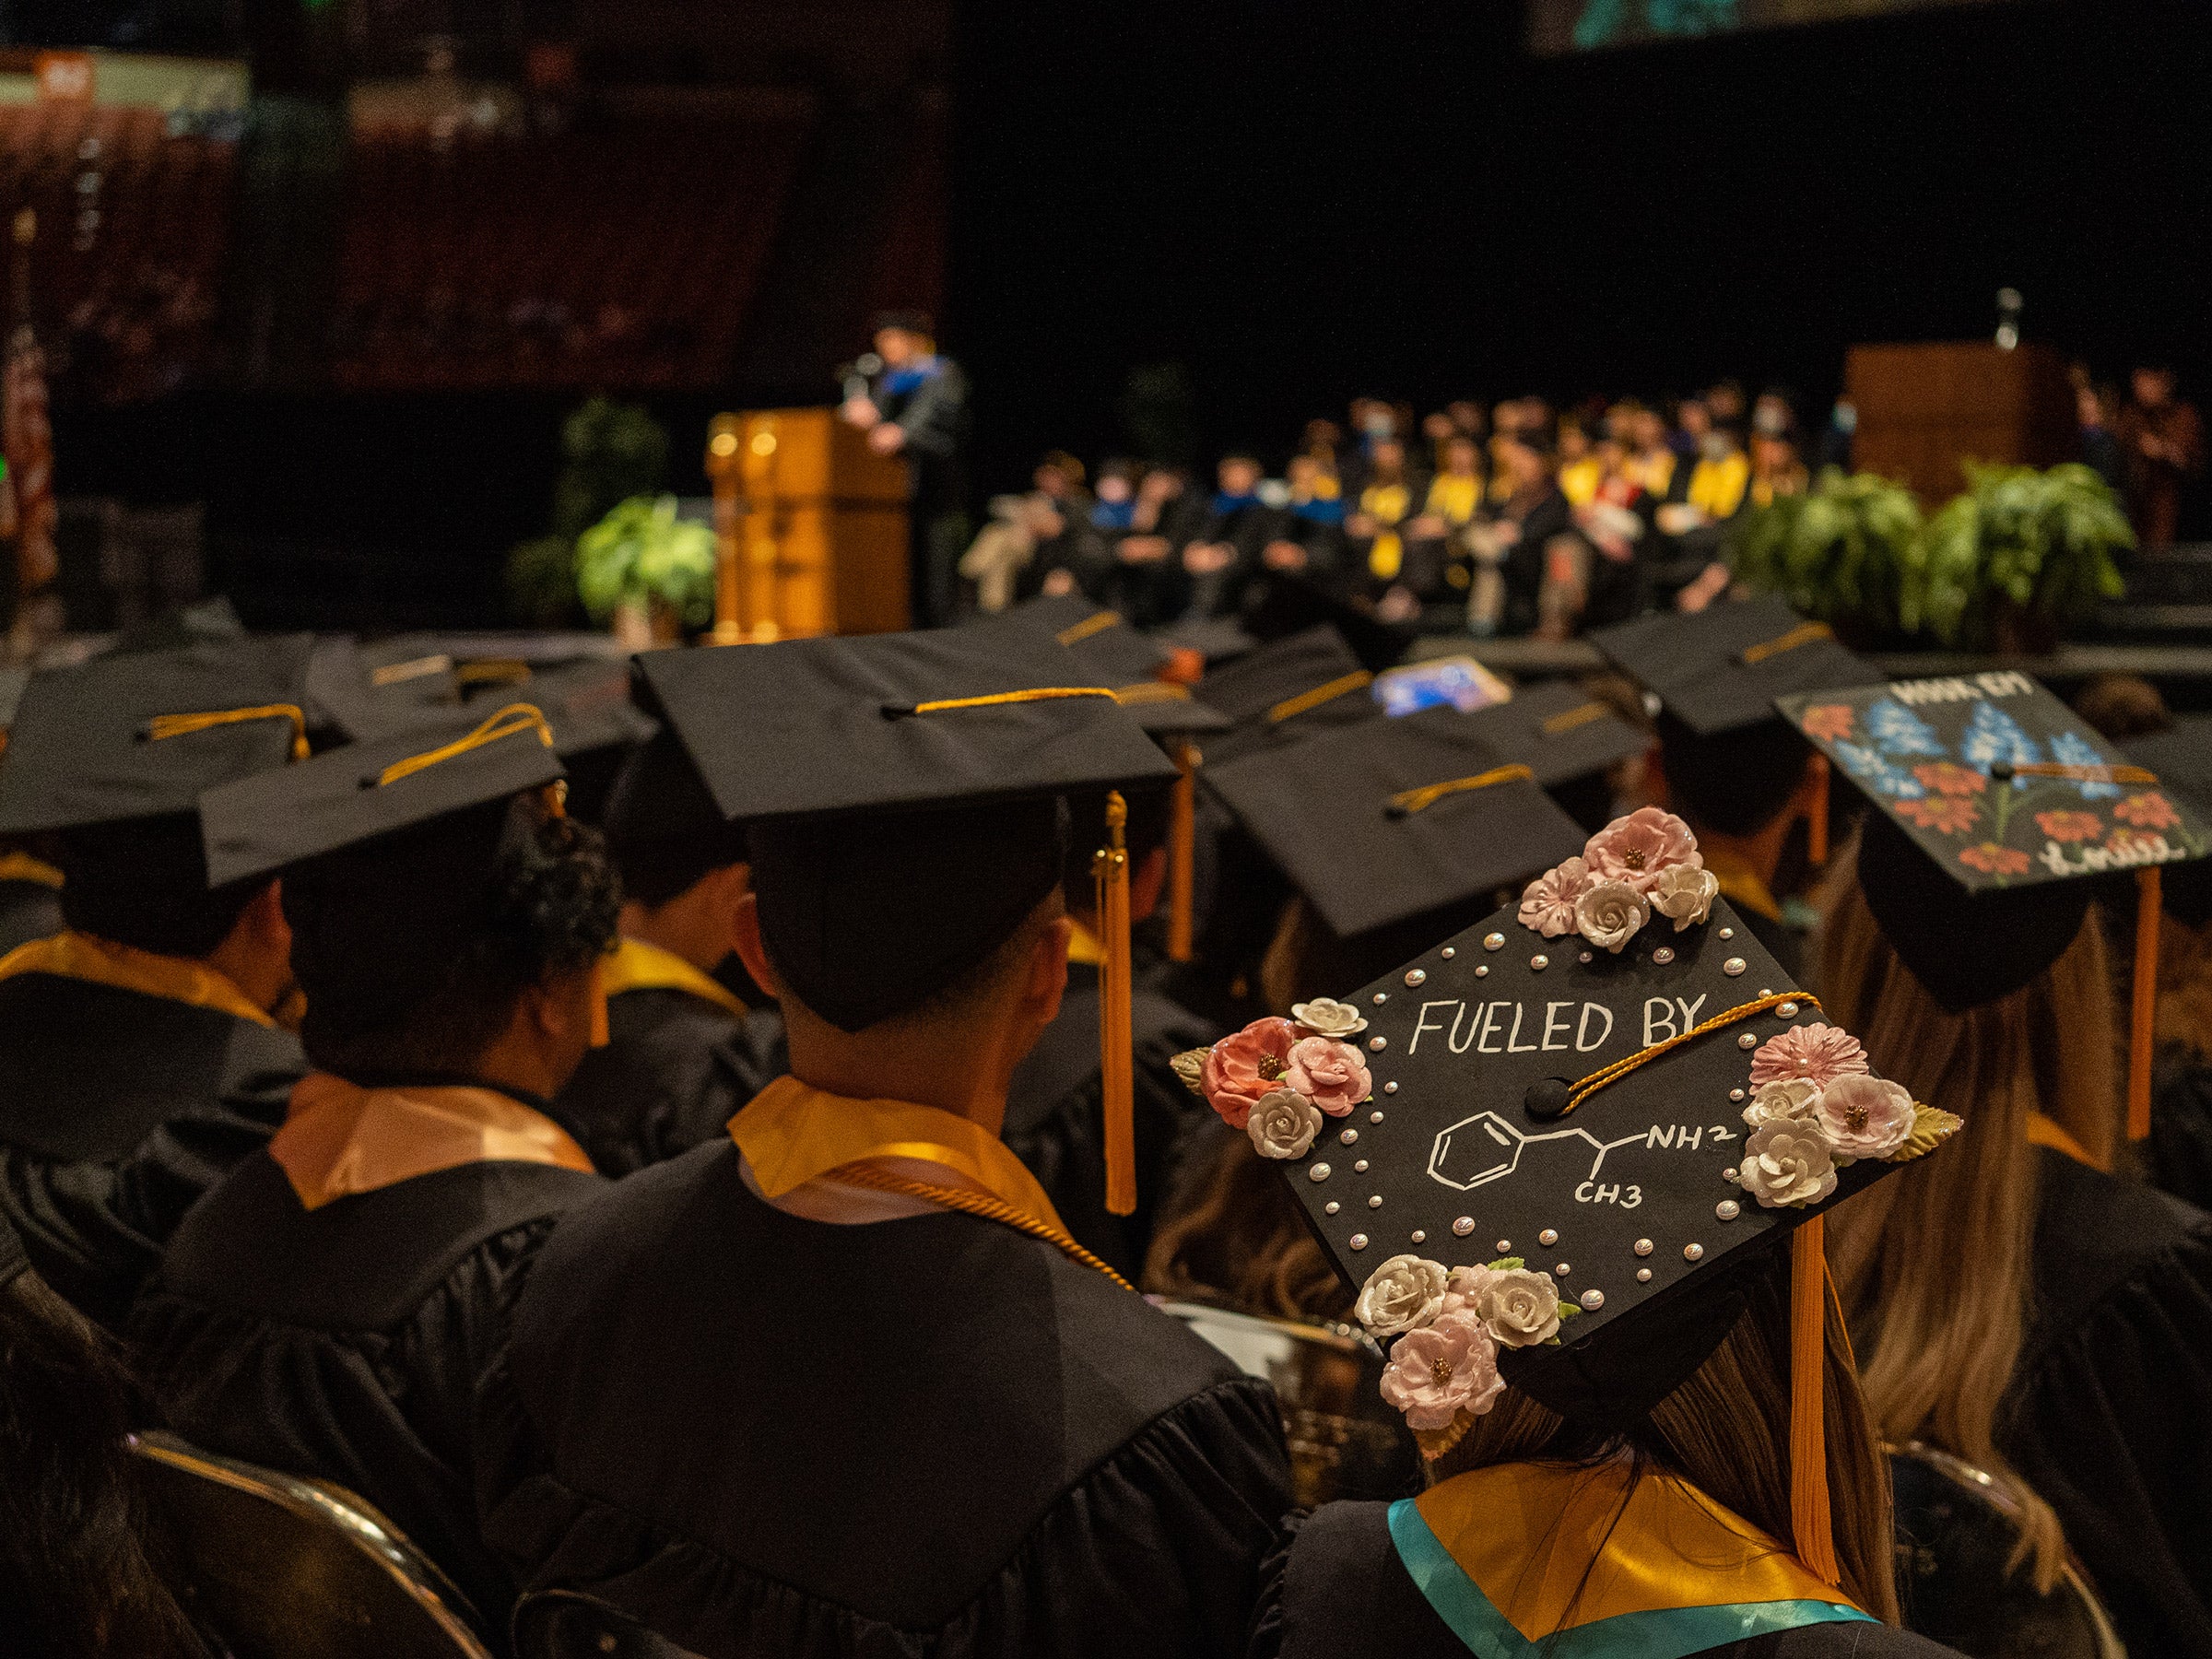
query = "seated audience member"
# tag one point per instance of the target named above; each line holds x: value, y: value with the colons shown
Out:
x: 1310, y: 534
x: 2164, y: 442
x: 683, y: 1052
x: 1036, y: 1460
x: 1693, y: 421
x: 140, y: 1053
x: 1695, y: 575
x: 1374, y: 529
x: 1435, y: 569
x: 2179, y: 1151
x: 1146, y: 584
x: 1777, y: 465
x: 2077, y: 1371
x: 1059, y: 479
x: 1512, y: 539
x: 1579, y: 469
x: 329, y: 1306
x: 1223, y: 555
x: 1649, y: 460
x: 1114, y: 509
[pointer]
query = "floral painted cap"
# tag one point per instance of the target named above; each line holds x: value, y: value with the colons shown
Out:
x: 1542, y: 1150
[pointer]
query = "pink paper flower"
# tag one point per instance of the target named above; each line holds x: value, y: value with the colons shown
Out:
x: 1865, y: 1117
x: 1441, y: 1369
x: 1329, y: 1073
x: 1821, y: 1053
x: 1549, y: 904
x: 1637, y: 848
x: 1246, y: 1067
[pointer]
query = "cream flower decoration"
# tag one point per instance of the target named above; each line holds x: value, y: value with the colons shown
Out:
x: 1326, y: 1018
x: 1785, y: 1164
x: 1405, y: 1292
x: 1609, y: 915
x: 1283, y: 1123
x: 1442, y: 1369
x: 1519, y: 1308
x: 1865, y: 1117
x: 1786, y: 1100
x: 1684, y: 892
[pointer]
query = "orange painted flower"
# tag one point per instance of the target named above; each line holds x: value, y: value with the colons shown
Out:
x: 2151, y: 811
x: 1830, y: 722
x: 1947, y: 815
x: 1947, y: 777
x: 2070, y: 826
x: 1993, y: 860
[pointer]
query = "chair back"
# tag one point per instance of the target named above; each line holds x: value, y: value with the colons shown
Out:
x: 281, y: 1567
x: 562, y: 1624
x: 1956, y: 1529
x: 1345, y: 1440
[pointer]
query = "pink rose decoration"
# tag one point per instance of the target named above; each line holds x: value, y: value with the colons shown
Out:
x: 1865, y: 1117
x: 1819, y: 1052
x: 1549, y: 904
x: 1637, y: 848
x: 1245, y: 1066
x: 1328, y: 1072
x: 1447, y: 1367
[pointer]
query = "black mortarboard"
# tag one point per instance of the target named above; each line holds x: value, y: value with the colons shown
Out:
x: 260, y: 825
x: 215, y: 618
x: 1289, y: 687
x: 1395, y: 819
x: 596, y: 724
x: 1217, y: 639
x: 15, y: 1262
x: 1107, y: 648
x: 1290, y: 604
x: 372, y: 690
x: 1559, y: 730
x: 2182, y: 757
x: 1720, y: 669
x: 662, y: 824
x: 140, y: 736
x: 12, y: 681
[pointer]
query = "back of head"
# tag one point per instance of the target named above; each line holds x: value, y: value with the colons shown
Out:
x: 413, y: 947
x: 1733, y: 783
x: 663, y: 827
x: 143, y: 882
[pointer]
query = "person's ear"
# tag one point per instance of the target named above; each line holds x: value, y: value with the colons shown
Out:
x: 266, y: 924
x: 745, y: 938
x: 1045, y: 981
x: 733, y: 884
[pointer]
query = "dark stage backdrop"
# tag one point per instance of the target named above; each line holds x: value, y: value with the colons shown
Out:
x: 1587, y: 25
x: 1302, y: 200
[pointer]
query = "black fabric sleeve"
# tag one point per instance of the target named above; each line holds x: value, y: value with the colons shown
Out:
x: 934, y: 417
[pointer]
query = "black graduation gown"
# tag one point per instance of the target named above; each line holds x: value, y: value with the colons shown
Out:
x: 1549, y: 517
x: 1055, y: 1115
x: 2180, y: 1148
x: 675, y: 1071
x: 1335, y: 1589
x: 346, y: 1341
x: 28, y: 909
x: 2110, y: 1417
x: 118, y: 1109
x: 761, y: 1434
x: 1246, y: 529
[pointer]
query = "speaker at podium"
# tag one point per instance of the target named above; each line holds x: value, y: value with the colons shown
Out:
x: 810, y: 527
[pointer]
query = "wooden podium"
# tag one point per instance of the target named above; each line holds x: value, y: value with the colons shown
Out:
x: 810, y: 527
x: 1924, y: 408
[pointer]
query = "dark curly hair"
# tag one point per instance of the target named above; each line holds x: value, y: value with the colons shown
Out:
x: 413, y: 949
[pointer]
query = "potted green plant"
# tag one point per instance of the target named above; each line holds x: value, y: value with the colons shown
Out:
x: 2018, y: 557
x: 1837, y: 552
x: 647, y: 572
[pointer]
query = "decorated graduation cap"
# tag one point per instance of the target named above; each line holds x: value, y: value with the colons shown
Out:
x: 2182, y: 759
x: 1996, y: 803
x: 1305, y: 682
x: 903, y: 798
x: 1548, y: 1150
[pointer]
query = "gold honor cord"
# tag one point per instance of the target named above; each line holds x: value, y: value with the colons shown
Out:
x: 973, y: 1204
x: 1291, y: 707
x: 901, y: 711
x: 183, y: 726
x: 1090, y: 625
x: 1629, y: 1063
x: 1110, y: 878
x: 1804, y: 633
x: 1408, y: 802
x: 1568, y: 718
x: 493, y: 671
x: 514, y: 718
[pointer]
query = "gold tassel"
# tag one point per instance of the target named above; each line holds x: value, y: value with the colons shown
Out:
x: 2145, y: 1003
x: 1109, y: 876
x: 1810, y: 1517
x: 1816, y: 824
x: 1183, y: 848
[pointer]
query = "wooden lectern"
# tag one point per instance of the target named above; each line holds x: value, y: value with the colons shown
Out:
x: 1924, y: 408
x: 810, y: 528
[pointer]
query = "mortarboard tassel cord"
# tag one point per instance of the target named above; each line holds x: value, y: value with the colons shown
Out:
x: 515, y: 717
x: 1811, y: 1520
x: 1183, y: 836
x: 2144, y: 1012
x: 1109, y: 876
x: 183, y: 726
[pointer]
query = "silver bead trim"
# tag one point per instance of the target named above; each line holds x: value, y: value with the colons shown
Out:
x: 1482, y: 971
x: 1584, y: 957
x: 1561, y: 1270
x: 1349, y: 1136
x: 1359, y: 1167
x: 1447, y: 953
x: 1377, y: 1044
x: 1390, y: 1089
x: 1747, y: 1041
x: 1330, y: 1207
x: 1415, y: 976
x: 1374, y: 1117
x: 1727, y: 933
x: 1694, y: 1253
x: 1320, y: 1171
x: 1359, y: 1241
x: 1664, y: 955
x: 1550, y: 1235
x: 1593, y: 1299
x: 1734, y: 966
x: 1787, y: 1010
x: 1420, y: 1237
x: 1462, y: 1225
x: 1375, y: 1202
x: 1381, y: 997
x: 1644, y: 1275
x: 1539, y: 963
x: 1727, y: 1209
x: 1644, y: 1247
x: 1735, y: 1094
x: 1505, y: 1246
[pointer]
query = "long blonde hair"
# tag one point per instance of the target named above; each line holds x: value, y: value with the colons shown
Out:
x: 1935, y: 1265
x: 1726, y: 1432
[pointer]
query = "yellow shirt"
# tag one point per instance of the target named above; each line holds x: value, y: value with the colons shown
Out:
x: 1454, y: 499
x: 1578, y: 480
x: 1716, y: 488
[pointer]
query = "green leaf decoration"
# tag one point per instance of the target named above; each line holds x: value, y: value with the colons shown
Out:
x: 1570, y: 1310
x: 1931, y: 1126
x: 1190, y: 1065
x: 1507, y: 1264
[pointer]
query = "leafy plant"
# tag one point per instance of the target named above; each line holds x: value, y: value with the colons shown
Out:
x: 609, y: 453
x: 642, y: 552
x: 2040, y: 545
x: 1838, y: 552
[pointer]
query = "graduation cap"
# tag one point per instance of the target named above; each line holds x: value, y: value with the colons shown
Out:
x: 903, y: 798
x: 1589, y: 1117
x: 1716, y: 673
x: 215, y: 618
x: 1216, y: 640
x: 362, y: 691
x: 2182, y: 757
x: 1560, y: 731
x: 1305, y: 682
x: 1102, y: 641
x: 596, y: 724
x: 2000, y: 812
x: 662, y: 824
x: 1290, y: 603
x: 12, y: 681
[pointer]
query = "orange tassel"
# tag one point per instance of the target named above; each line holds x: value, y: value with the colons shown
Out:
x: 1815, y: 826
x: 600, y: 1037
x: 2145, y: 1007
x: 1183, y: 838
x: 1109, y: 871
x: 1810, y: 1517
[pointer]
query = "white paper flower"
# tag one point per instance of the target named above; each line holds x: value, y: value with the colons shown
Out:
x: 1283, y: 1123
x: 1785, y: 1164
x: 1609, y: 915
x: 1402, y: 1294
x: 1521, y: 1308
x: 1789, y: 1100
x: 1327, y: 1018
x: 1684, y: 892
x: 1865, y: 1117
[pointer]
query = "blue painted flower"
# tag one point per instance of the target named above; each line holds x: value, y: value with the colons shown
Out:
x: 1992, y: 736
x: 1870, y: 768
x: 1897, y: 730
x: 2070, y: 748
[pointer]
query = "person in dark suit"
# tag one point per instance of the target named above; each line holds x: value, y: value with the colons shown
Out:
x: 916, y: 406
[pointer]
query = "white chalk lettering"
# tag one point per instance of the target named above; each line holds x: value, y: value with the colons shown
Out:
x: 1489, y: 1024
x: 1581, y: 1193
x: 1514, y: 1045
x: 1457, y: 1043
x: 1690, y: 1010
x: 1422, y: 1024
x: 1913, y: 692
x: 1653, y: 1030
x: 1721, y: 1132
x: 1554, y: 1024
x: 1634, y: 1198
x: 1583, y: 1041
x: 2004, y: 683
